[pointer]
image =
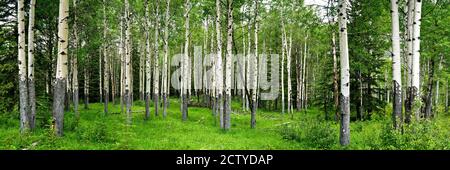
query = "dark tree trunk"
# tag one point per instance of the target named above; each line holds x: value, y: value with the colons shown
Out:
x: 58, y: 106
x: 253, y: 114
x: 184, y: 107
x: 227, y: 116
x: 156, y: 98
x: 397, y: 115
x: 75, y: 105
x: 127, y: 99
x: 147, y: 103
x: 164, y: 96
x: 32, y: 103
x: 345, y: 122
x: 106, y: 93
x: 429, y: 96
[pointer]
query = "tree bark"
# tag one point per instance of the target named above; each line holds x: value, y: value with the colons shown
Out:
x: 61, y: 73
x: 396, y: 66
x: 75, y: 65
x: 156, y: 69
x: 409, y: 31
x: 184, y: 98
x: 106, y: 60
x: 127, y: 77
x: 345, y: 75
x: 31, y: 88
x: 229, y: 60
x: 335, y: 79
x: 416, y: 102
x: 23, y: 107
x: 255, y: 71
x: 86, y: 83
x: 165, y: 72
x: 147, y: 62
x: 429, y: 96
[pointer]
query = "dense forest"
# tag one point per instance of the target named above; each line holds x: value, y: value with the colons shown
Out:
x: 224, y: 74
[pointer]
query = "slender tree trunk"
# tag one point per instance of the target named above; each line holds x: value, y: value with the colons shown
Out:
x: 416, y: 102
x: 75, y: 65
x: 446, y: 97
x: 165, y: 73
x: 122, y: 62
x: 184, y: 89
x: 229, y: 60
x: 218, y: 66
x: 335, y: 79
x: 127, y: 77
x: 106, y: 60
x: 345, y: 75
x: 147, y: 62
x: 156, y: 70
x: 61, y: 74
x: 283, y: 49
x: 100, y: 78
x: 428, y: 99
x: 31, y: 89
x: 86, y: 83
x: 396, y: 66
x: 409, y: 31
x: 255, y: 71
x: 289, y: 48
x: 24, y: 115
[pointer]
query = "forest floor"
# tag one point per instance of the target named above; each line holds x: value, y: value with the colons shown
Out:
x: 301, y: 130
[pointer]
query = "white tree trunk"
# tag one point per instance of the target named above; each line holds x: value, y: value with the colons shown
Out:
x: 345, y: 74
x: 396, y: 65
x: 156, y: 69
x: 31, y: 88
x: 127, y: 78
x: 185, y: 63
x: 165, y: 87
x: 283, y: 49
x: 228, y: 74
x: 218, y: 65
x: 289, y: 92
x: 106, y: 60
x: 24, y: 118
x: 255, y: 71
x: 61, y: 68
x: 416, y: 59
x: 147, y: 62
x: 75, y: 64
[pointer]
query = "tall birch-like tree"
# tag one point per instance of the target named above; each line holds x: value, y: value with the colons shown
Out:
x: 415, y: 91
x: 396, y: 66
x: 184, y: 97
x: 218, y: 65
x: 229, y: 60
x: 61, y: 68
x: 75, y: 64
x: 106, y: 60
x: 165, y: 84
x: 147, y: 61
x: 127, y: 78
x: 156, y: 69
x: 344, y: 137
x: 23, y: 92
x: 31, y: 88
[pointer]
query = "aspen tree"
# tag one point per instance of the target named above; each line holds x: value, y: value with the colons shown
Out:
x: 106, y: 60
x: 23, y: 92
x: 61, y: 68
x: 165, y: 86
x: 396, y: 66
x: 31, y: 86
x: 75, y: 64
x: 228, y: 74
x: 344, y: 137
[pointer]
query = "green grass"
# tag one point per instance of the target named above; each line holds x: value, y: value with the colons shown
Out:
x: 306, y: 130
